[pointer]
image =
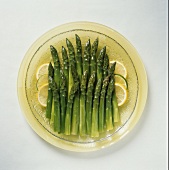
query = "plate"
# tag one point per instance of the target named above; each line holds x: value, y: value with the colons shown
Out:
x: 118, y: 48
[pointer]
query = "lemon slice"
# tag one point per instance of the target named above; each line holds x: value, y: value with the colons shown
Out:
x: 120, y: 68
x: 121, y: 80
x: 121, y: 94
x: 43, y: 94
x: 43, y: 79
x: 43, y: 69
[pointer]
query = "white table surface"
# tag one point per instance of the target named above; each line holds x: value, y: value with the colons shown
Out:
x: 143, y: 23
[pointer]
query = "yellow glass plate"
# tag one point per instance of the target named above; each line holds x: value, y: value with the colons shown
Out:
x: 118, y: 48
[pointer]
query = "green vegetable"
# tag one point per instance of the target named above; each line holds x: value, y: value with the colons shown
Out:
x: 56, y: 65
x: 105, y: 66
x: 57, y: 117
x: 116, y: 114
x: 50, y: 93
x: 109, y: 107
x: 82, y: 126
x: 90, y: 90
x: 102, y: 104
x: 63, y: 99
x: 95, y: 113
x: 111, y: 69
x: 79, y: 56
x: 65, y: 65
x: 72, y: 62
x: 76, y: 105
x: 68, y: 117
x: 93, y: 66
x: 100, y: 60
x: 86, y: 58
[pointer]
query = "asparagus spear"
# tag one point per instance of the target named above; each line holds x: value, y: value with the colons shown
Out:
x: 100, y: 63
x: 111, y: 69
x: 95, y: 113
x: 65, y: 64
x: 109, y: 109
x: 63, y: 99
x: 82, y: 125
x: 89, y: 102
x: 56, y: 65
x: 105, y: 66
x: 76, y: 105
x: 71, y: 62
x: 86, y: 58
x: 69, y: 109
x: 102, y: 104
x: 50, y: 94
x: 56, y: 106
x: 93, y: 56
x: 79, y: 56
x: 116, y: 114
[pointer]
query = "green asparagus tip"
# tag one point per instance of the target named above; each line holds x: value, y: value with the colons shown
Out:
x: 51, y: 47
x: 68, y: 42
x: 77, y: 37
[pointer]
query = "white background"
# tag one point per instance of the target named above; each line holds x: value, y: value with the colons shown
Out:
x: 143, y: 23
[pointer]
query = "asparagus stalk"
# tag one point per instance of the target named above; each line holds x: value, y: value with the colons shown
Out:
x: 89, y: 102
x: 100, y: 63
x: 71, y: 63
x: 102, y: 104
x: 65, y: 65
x: 79, y: 56
x: 109, y: 107
x: 57, y: 118
x: 50, y: 94
x: 105, y: 66
x: 95, y: 113
x: 93, y: 66
x: 116, y: 114
x: 76, y: 105
x: 86, y: 58
x: 56, y: 65
x: 82, y: 125
x: 111, y: 69
x: 69, y: 109
x: 63, y: 99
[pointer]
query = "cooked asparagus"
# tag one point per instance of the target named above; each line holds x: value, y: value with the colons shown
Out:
x: 105, y: 66
x: 76, y: 105
x: 102, y: 104
x: 93, y: 66
x: 89, y: 96
x: 65, y: 65
x: 100, y: 64
x: 79, y: 56
x: 86, y: 58
x: 68, y: 117
x: 82, y: 125
x: 95, y: 113
x: 56, y: 65
x: 50, y: 94
x: 63, y: 99
x: 57, y: 117
x: 71, y: 63
x: 109, y: 107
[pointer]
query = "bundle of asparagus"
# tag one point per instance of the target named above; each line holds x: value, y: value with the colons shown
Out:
x: 81, y: 91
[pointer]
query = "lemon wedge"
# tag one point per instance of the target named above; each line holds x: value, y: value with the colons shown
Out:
x: 121, y: 94
x: 42, y: 70
x: 43, y: 94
